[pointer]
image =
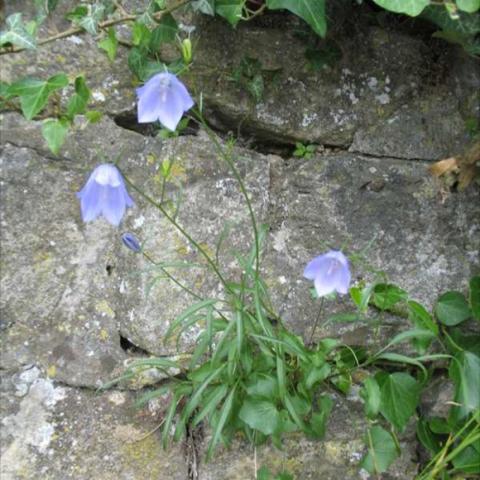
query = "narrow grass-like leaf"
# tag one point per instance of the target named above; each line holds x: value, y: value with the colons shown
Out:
x: 399, y: 358
x: 224, y: 414
x: 151, y: 395
x: 194, y: 402
x: 187, y: 313
x: 210, y: 403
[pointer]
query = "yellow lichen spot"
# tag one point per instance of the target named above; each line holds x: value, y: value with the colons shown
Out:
x: 42, y: 261
x: 104, y: 308
x: 51, y: 371
x: 206, y: 248
x: 178, y: 172
x: 151, y: 159
x: 103, y: 335
x: 144, y: 454
x: 61, y: 59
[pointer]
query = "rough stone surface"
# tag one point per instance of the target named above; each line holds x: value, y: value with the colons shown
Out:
x: 390, y: 94
x: 383, y: 95
x: 424, y: 238
x: 75, y: 284
x: 76, y: 305
x: 56, y: 433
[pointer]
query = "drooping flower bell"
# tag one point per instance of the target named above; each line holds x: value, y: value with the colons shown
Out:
x: 330, y: 273
x: 165, y: 98
x: 104, y: 194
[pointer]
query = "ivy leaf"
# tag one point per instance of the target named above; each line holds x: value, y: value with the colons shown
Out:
x: 109, y: 44
x: 204, y: 6
x: 231, y: 10
x: 34, y: 93
x: 382, y: 450
x: 385, y: 295
x: 78, y: 102
x: 260, y: 415
x: 54, y: 132
x: 165, y: 32
x: 475, y: 296
x: 140, y: 34
x: 87, y: 17
x: 44, y: 8
x: 409, y: 7
x: 312, y: 11
x: 17, y: 33
x: 452, y: 308
x: 469, y: 6
x: 400, y: 394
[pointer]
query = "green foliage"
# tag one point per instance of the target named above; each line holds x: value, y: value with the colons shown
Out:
x: 461, y: 28
x: 409, y: 7
x: 18, y: 33
x: 385, y: 296
x: 399, y: 398
x: 250, y: 76
x: 109, y: 44
x: 312, y: 11
x: 264, y: 473
x: 304, y: 151
x: 87, y: 16
x: 204, y: 6
x: 382, y: 450
x: 465, y: 372
x: 54, y: 132
x: 164, y: 32
x: 475, y: 297
x: 34, y: 93
x: 231, y: 10
x: 452, y: 308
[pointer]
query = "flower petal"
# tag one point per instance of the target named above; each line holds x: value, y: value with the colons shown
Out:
x: 316, y: 267
x: 90, y: 200
x: 342, y: 280
x: 180, y: 89
x: 128, y: 200
x: 149, y: 105
x: 113, y: 204
x: 171, y: 111
x: 323, y: 285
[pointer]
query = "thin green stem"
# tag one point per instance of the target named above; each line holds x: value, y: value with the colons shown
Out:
x: 195, y: 244
x: 179, y: 284
x: 171, y: 277
x: 236, y: 174
x: 317, y: 319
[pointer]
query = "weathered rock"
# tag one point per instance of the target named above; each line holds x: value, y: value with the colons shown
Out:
x: 424, y: 238
x: 336, y: 456
x: 110, y: 82
x: 56, y: 433
x: 76, y: 285
x: 391, y: 94
x: 383, y: 85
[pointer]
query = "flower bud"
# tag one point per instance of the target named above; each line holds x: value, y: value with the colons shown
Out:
x: 187, y: 50
x: 131, y: 242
